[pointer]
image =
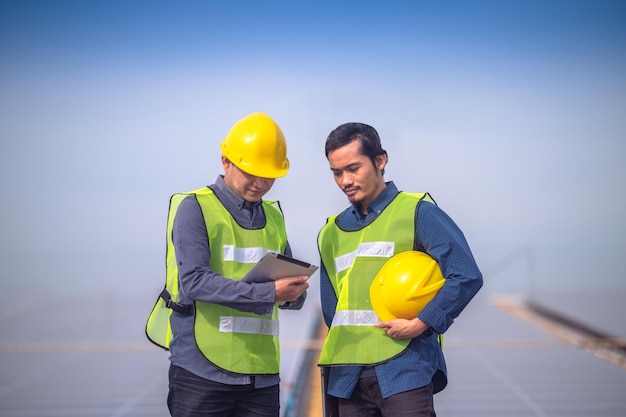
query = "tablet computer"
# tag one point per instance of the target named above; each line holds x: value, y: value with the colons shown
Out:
x: 274, y: 266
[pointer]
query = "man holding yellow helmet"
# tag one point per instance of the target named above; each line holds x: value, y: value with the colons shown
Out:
x: 395, y: 272
x: 222, y: 332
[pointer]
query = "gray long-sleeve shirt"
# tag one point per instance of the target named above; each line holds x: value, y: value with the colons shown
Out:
x: 197, y: 282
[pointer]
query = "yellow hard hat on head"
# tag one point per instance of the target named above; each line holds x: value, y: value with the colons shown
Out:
x: 257, y: 146
x: 404, y: 285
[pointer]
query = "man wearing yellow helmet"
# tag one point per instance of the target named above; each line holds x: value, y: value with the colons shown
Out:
x: 222, y: 332
x: 393, y: 367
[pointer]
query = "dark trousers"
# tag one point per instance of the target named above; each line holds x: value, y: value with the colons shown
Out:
x: 192, y: 396
x: 367, y: 401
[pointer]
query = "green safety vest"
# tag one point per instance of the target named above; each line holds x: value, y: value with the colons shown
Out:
x: 352, y: 259
x: 233, y: 340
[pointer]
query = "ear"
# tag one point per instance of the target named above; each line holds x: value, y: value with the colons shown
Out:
x: 381, y: 161
x: 226, y: 162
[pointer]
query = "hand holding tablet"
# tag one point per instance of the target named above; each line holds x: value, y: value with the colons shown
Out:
x: 290, y: 275
x: 275, y: 266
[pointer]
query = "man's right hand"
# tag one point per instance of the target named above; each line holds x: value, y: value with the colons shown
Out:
x: 290, y: 288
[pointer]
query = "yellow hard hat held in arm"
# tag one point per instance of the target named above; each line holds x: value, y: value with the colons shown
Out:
x: 257, y: 146
x: 404, y: 285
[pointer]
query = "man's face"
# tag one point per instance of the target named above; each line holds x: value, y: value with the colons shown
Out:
x: 356, y: 175
x: 248, y: 187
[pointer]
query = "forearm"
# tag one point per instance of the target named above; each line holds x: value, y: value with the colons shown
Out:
x: 443, y: 240
x: 203, y: 284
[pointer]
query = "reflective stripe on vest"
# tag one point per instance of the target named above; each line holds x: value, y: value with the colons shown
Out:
x: 352, y: 260
x: 250, y: 325
x: 384, y: 249
x: 355, y: 318
x: 244, y: 255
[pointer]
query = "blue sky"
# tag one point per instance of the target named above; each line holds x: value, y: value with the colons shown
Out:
x: 510, y: 113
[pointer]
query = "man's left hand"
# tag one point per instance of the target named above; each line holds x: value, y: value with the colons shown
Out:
x: 403, y: 328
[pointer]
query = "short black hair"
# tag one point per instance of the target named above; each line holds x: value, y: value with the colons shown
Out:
x: 367, y: 136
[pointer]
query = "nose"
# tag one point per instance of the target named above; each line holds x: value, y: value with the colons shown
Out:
x: 262, y: 183
x: 346, y: 180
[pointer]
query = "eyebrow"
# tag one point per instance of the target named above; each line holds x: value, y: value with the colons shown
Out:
x: 351, y: 165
